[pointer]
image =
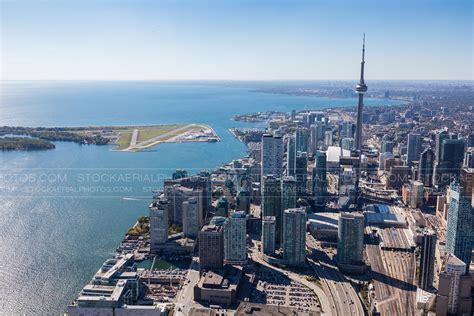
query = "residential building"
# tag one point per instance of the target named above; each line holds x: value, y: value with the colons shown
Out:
x: 235, y: 238
x: 302, y: 139
x: 449, y: 165
x: 268, y: 235
x: 416, y: 194
x: 271, y: 202
x: 291, y: 155
x: 427, y: 260
x: 328, y: 138
x: 158, y: 223
x: 319, y: 178
x: 272, y: 155
x: 211, y: 247
x: 294, y: 236
x: 288, y: 193
x: 191, y: 217
x: 301, y: 173
x: 426, y: 167
x: 387, y: 146
x: 459, y: 231
x: 454, y: 290
x: 350, y: 238
x: 466, y: 181
x: 413, y: 148
x: 348, y: 143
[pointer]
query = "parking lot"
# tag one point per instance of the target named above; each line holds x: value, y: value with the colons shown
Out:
x: 275, y: 288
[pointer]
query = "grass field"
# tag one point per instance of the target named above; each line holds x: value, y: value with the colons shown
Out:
x: 149, y: 133
x: 180, y: 132
x: 144, y: 133
x: 124, y: 140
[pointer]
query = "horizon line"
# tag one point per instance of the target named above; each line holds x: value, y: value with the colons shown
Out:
x: 237, y: 80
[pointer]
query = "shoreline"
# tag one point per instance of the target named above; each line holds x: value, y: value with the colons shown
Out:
x: 124, y: 137
x: 188, y: 133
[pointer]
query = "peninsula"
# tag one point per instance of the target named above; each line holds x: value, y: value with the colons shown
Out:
x: 24, y: 143
x: 127, y: 138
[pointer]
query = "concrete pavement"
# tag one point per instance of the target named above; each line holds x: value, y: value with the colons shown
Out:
x: 323, y: 299
x: 185, y: 297
x: 343, y: 297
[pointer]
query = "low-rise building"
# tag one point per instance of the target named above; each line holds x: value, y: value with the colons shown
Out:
x: 219, y: 287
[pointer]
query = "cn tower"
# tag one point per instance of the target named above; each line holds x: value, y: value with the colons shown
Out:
x: 361, y: 88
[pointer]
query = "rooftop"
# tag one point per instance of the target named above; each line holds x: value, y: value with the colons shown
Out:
x: 327, y: 221
x: 211, y: 228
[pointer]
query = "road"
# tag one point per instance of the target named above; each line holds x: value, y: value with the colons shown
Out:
x: 185, y: 297
x: 343, y: 297
x: 323, y: 299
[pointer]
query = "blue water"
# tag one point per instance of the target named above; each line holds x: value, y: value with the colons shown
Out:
x: 64, y: 211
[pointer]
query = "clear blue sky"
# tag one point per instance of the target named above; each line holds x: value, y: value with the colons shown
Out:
x: 256, y: 40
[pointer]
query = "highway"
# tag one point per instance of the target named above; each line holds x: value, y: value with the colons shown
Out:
x: 322, y: 297
x: 343, y: 297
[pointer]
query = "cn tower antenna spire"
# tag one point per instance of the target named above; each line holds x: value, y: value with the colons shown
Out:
x: 363, y: 48
x: 361, y: 88
x: 362, y: 63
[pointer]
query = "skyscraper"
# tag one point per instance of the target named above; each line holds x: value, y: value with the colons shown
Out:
x: 459, y: 231
x: 440, y: 136
x: 328, y: 138
x: 454, y: 290
x: 222, y: 206
x: 416, y: 194
x: 361, y: 88
x: 200, y: 184
x: 268, y: 235
x: 425, y: 167
x: 176, y: 195
x: 348, y: 143
x: 350, y: 238
x: 470, y: 140
x: 288, y: 193
x: 413, y: 148
x: 243, y: 200
x: 158, y: 223
x: 427, y: 260
x: 272, y: 155
x: 467, y: 183
x: 469, y: 158
x: 235, y: 239
x: 319, y: 178
x: 191, y: 218
x: 301, y: 173
x: 450, y: 163
x: 316, y: 131
x: 294, y: 236
x: 302, y: 139
x: 291, y: 156
x: 346, y: 130
x: 271, y: 202
x: 211, y: 247
x: 387, y: 147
